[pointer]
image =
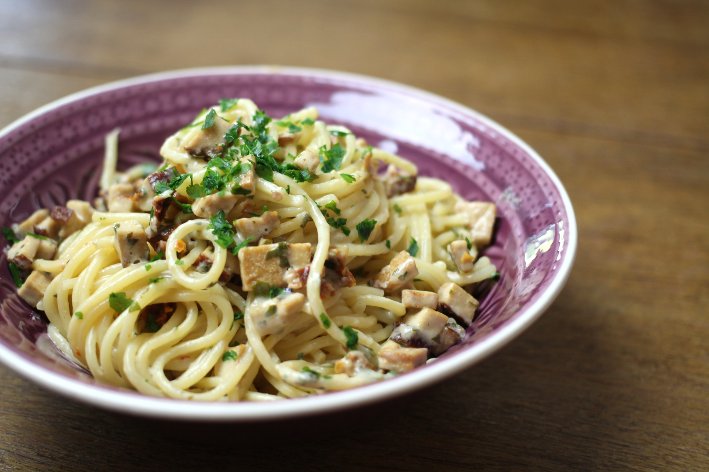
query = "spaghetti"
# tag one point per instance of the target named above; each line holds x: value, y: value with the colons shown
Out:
x: 263, y: 259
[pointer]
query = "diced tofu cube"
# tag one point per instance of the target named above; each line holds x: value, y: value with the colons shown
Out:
x: 48, y: 227
x: 393, y: 357
x: 451, y: 335
x: 481, y: 216
x: 269, y: 263
x: 34, y: 287
x: 429, y: 323
x: 457, y: 302
x: 79, y: 216
x: 397, y: 274
x: 22, y: 253
x: 419, y: 299
x: 131, y: 242
x: 120, y: 198
x: 461, y: 255
x: 257, y: 226
x: 28, y: 225
x: 397, y: 182
x: 46, y: 250
x: 201, y: 142
x: 207, y: 207
x: 273, y: 315
x: 247, y: 177
x: 308, y: 160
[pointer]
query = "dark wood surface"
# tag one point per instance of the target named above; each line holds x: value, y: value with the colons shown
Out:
x: 614, y: 95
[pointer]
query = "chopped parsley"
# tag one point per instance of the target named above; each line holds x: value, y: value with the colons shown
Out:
x: 37, y: 236
x: 226, y: 104
x: 15, y: 273
x: 413, y: 248
x: 351, y: 336
x: 158, y: 256
x: 388, y: 244
x: 325, y: 320
x: 280, y: 252
x: 148, y: 267
x: 338, y: 133
x: 331, y: 212
x: 364, y: 228
x: 120, y: 302
x: 222, y: 229
x: 332, y: 206
x: 307, y: 122
x: 262, y: 289
x: 292, y: 127
x: 238, y: 247
x: 179, y: 262
x: 173, y: 184
x: 229, y: 356
x: 79, y: 315
x: 397, y: 209
x: 331, y: 158
x: 469, y: 243
x: 209, y: 119
x: 349, y: 178
x: 238, y: 316
x: 310, y: 371
x: 9, y: 235
x: 155, y: 280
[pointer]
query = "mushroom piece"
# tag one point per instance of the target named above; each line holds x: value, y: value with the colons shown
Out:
x: 131, y: 242
x: 270, y: 262
x: 207, y: 207
x: 419, y: 299
x: 34, y: 287
x: 257, y: 226
x: 308, y: 160
x: 393, y: 357
x: 201, y: 142
x: 397, y: 274
x: 456, y: 302
x: 397, y: 181
x: 481, y: 217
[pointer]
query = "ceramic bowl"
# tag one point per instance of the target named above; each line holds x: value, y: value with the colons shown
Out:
x: 55, y: 153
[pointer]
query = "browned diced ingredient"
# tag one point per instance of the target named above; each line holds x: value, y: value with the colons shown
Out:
x: 419, y: 299
x: 143, y: 195
x: 451, y: 335
x: 308, y: 160
x: 462, y: 258
x: 397, y: 274
x: 269, y: 263
x: 22, y: 253
x: 336, y: 274
x: 34, y: 287
x: 257, y: 226
x: 28, y: 225
x: 48, y: 227
x: 204, y: 142
x: 131, y: 243
x: 247, y: 177
x: 352, y: 362
x: 207, y: 207
x: 429, y: 323
x: 273, y: 315
x: 397, y: 181
x: 455, y: 301
x: 393, y: 357
x: 120, y: 198
x: 231, y: 267
x: 79, y: 216
x: 47, y: 249
x: 285, y: 139
x: 481, y: 217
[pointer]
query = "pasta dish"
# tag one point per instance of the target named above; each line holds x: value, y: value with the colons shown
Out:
x: 262, y: 259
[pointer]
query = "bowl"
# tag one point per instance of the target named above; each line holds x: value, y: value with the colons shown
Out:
x: 55, y: 153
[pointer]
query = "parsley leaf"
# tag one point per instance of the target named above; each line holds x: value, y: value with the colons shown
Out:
x: 226, y: 104
x: 222, y: 229
x: 238, y: 316
x: 347, y: 178
x: 209, y: 119
x: 311, y: 372
x: 468, y: 243
x: 229, y: 356
x: 397, y: 209
x: 79, y: 315
x: 15, y: 273
x: 413, y: 248
x: 364, y: 228
x: 351, y: 336
x: 280, y: 252
x: 262, y: 289
x: 37, y: 236
x: 338, y: 133
x: 332, y: 206
x: 307, y: 122
x: 9, y: 235
x: 120, y: 302
x: 388, y: 244
x: 235, y: 250
x: 331, y: 158
x: 325, y: 320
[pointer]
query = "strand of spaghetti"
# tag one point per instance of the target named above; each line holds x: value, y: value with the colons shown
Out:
x: 199, y: 228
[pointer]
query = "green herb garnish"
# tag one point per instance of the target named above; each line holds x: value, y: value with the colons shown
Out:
x: 9, y: 235
x: 281, y: 252
x: 229, y: 356
x: 347, y: 178
x: 120, y: 302
x: 351, y: 336
x: 262, y: 289
x: 325, y: 320
x: 397, y: 209
x: 15, y: 273
x: 209, y: 119
x: 364, y: 228
x: 331, y: 158
x: 79, y: 315
x: 222, y: 229
x: 413, y: 248
x: 226, y: 104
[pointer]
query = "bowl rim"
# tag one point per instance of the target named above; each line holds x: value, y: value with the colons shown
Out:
x: 142, y: 405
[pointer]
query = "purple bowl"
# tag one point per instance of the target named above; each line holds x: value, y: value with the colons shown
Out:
x: 55, y: 153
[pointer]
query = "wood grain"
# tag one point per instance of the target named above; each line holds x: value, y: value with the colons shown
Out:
x: 614, y: 95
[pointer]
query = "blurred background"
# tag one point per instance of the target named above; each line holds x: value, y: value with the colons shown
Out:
x: 614, y: 94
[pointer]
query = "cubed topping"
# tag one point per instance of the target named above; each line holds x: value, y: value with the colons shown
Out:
x: 456, y: 302
x: 481, y: 217
x: 271, y: 316
x: 397, y: 274
x: 308, y: 160
x: 335, y: 275
x: 393, y: 357
x: 203, y: 142
x: 397, y: 182
x: 34, y: 287
x: 79, y: 216
x: 207, y: 207
x: 28, y: 225
x: 419, y: 299
x: 429, y: 323
x: 270, y: 262
x: 257, y: 226
x: 22, y: 253
x: 120, y: 198
x: 462, y: 258
x: 131, y: 242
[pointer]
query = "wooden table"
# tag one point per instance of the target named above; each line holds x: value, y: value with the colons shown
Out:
x: 615, y: 96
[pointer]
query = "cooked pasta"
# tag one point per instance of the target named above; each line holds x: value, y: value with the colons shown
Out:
x: 262, y: 259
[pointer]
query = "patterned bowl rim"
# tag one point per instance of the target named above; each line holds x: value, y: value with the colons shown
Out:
x: 137, y: 404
